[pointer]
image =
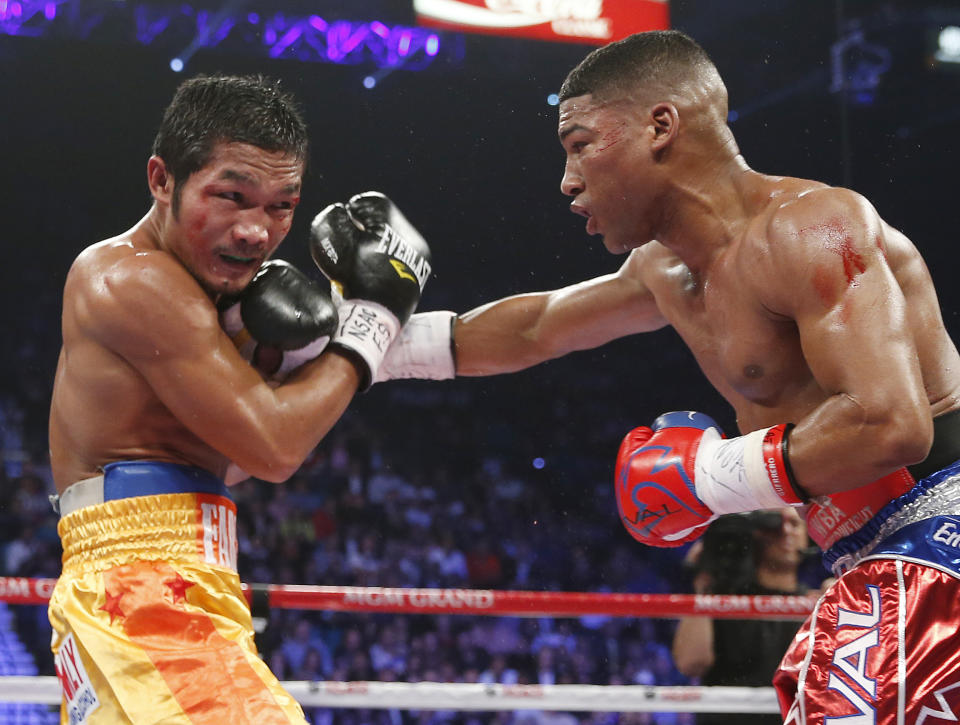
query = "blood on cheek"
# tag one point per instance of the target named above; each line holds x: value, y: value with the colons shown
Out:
x: 198, y: 223
x: 611, y: 138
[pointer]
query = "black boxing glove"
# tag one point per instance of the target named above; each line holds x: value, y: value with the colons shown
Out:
x: 281, y: 320
x: 379, y: 264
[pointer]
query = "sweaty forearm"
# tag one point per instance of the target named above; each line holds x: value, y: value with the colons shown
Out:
x: 524, y: 330
x: 502, y: 337
x: 287, y: 422
x: 846, y: 443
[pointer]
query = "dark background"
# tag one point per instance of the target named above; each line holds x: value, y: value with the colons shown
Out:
x: 468, y: 149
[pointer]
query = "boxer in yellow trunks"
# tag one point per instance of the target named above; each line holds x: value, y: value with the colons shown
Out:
x: 129, y: 617
x: 190, y: 361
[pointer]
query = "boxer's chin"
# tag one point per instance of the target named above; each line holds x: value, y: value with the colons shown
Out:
x: 617, y: 246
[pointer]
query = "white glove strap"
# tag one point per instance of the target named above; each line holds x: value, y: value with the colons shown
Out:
x: 366, y: 328
x: 292, y: 359
x: 730, y: 475
x: 424, y: 349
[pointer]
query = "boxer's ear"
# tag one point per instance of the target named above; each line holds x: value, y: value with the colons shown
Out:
x: 665, y: 125
x: 159, y: 180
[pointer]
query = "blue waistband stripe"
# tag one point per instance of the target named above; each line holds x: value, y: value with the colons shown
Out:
x: 935, y: 540
x: 126, y: 479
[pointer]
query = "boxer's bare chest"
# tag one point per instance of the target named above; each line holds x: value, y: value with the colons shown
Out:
x: 103, y: 410
x: 751, y: 355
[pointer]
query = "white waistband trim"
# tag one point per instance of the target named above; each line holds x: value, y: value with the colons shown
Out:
x: 87, y: 492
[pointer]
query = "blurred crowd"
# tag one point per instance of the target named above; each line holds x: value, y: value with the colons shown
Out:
x: 421, y: 485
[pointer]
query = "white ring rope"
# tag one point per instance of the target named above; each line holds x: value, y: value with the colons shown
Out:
x: 477, y: 696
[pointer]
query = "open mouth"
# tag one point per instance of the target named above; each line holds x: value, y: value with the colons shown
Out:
x: 585, y: 213
x: 237, y: 260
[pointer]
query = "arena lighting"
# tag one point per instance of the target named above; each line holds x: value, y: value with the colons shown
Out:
x: 373, y: 80
x: 948, y: 45
x: 208, y: 33
x: 24, y: 17
x: 857, y: 66
x: 184, y: 29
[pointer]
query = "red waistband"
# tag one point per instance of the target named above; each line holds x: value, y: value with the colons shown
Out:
x: 831, y: 518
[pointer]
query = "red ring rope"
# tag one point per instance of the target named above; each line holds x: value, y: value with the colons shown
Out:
x: 21, y: 590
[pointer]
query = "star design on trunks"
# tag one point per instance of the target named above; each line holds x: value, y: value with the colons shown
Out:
x: 178, y: 587
x: 112, y: 605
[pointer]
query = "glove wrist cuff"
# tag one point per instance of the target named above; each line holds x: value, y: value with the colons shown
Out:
x: 746, y: 473
x: 293, y: 359
x: 424, y: 349
x: 366, y: 329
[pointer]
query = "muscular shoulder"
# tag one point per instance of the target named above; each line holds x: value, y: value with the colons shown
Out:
x: 649, y: 264
x: 123, y: 296
x: 820, y: 213
x: 820, y: 239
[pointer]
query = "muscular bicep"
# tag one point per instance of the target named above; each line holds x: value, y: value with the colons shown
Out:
x: 523, y: 330
x: 851, y: 317
x: 832, y: 278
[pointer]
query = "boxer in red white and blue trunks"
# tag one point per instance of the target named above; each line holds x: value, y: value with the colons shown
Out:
x: 815, y: 319
x: 882, y: 644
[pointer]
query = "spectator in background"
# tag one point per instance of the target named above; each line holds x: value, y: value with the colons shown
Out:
x: 499, y: 672
x: 758, y: 553
x: 484, y: 567
x: 302, y: 653
x: 448, y: 562
x: 22, y: 551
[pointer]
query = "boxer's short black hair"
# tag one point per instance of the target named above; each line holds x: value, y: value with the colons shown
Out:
x: 211, y: 109
x: 662, y: 56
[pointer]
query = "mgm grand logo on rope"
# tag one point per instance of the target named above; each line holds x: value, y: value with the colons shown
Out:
x: 423, y: 598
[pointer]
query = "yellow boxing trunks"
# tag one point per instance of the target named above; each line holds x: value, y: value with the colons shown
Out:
x: 149, y: 621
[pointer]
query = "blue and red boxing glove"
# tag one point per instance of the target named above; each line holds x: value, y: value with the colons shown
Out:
x: 675, y: 477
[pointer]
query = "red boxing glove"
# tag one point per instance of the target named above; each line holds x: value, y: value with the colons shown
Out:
x: 674, y: 479
x: 655, y: 483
